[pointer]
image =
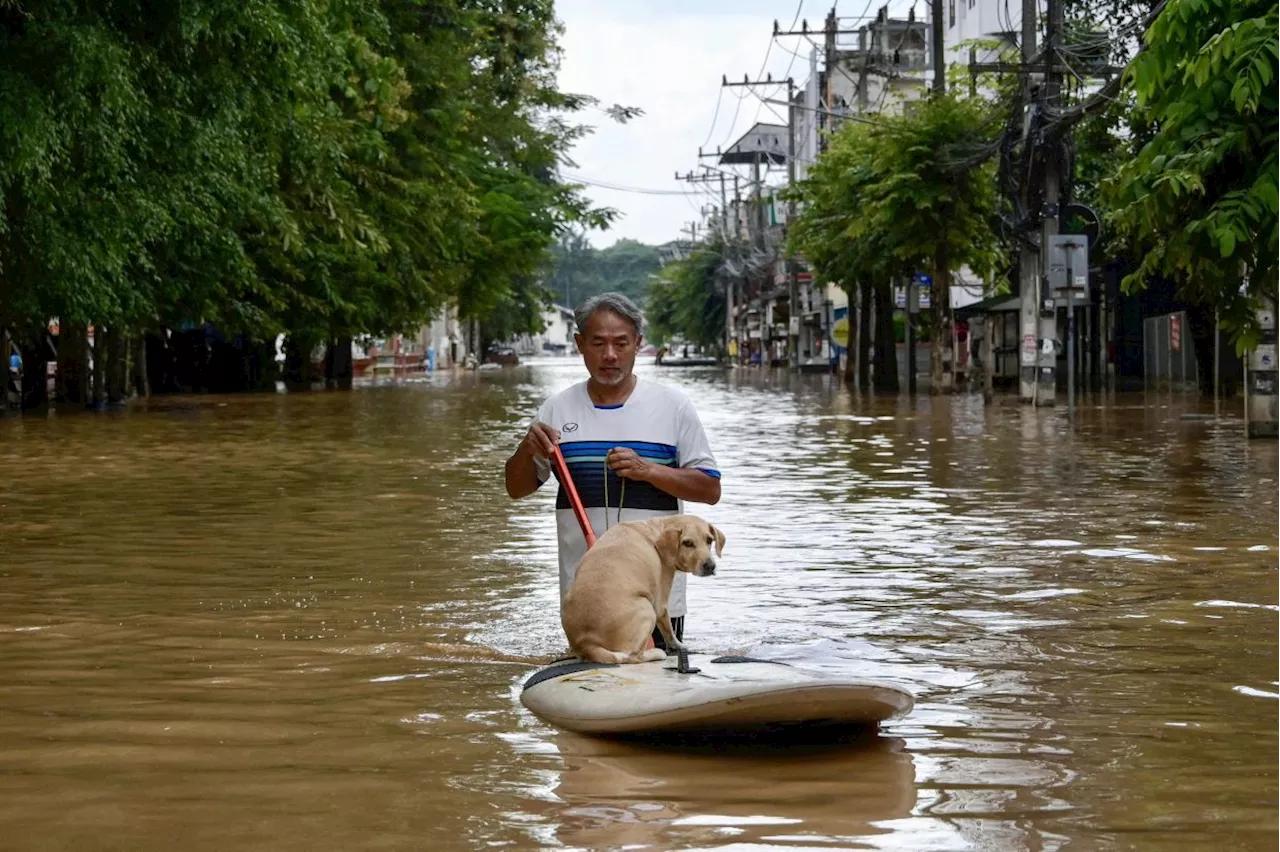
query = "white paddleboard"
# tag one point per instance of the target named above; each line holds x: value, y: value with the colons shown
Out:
x: 726, y: 694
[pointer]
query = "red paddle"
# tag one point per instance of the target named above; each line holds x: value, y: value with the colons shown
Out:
x: 579, y: 511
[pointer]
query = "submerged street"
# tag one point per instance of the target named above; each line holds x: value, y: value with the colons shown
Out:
x: 301, y: 621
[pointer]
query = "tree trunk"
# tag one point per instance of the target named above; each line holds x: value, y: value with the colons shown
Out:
x: 73, y: 363
x: 10, y: 398
x: 297, y: 362
x: 864, y: 335
x: 141, y: 384
x: 338, y: 363
x: 118, y: 366
x: 851, y: 347
x: 940, y: 378
x: 886, y: 373
x: 263, y: 367
x: 99, y: 392
x: 11, y: 392
x: 35, y: 351
x: 188, y: 361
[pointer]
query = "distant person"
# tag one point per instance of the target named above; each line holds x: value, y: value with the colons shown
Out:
x: 14, y: 384
x: 636, y: 444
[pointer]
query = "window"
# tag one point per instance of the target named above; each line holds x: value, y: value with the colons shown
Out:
x: 951, y: 9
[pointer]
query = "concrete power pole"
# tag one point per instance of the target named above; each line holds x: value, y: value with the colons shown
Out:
x: 937, y: 46
x: 793, y: 289
x: 814, y: 93
x: 1047, y: 373
x: 791, y: 173
x: 1029, y: 261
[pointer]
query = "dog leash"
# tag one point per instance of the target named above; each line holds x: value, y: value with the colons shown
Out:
x: 579, y: 511
x: 622, y: 496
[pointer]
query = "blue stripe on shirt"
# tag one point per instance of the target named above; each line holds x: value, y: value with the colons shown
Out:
x: 571, y: 447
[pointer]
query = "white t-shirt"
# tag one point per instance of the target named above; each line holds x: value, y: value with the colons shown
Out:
x: 660, y: 425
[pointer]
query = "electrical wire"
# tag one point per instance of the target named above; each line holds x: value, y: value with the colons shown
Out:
x: 576, y: 178
x: 785, y: 74
x: 714, y: 115
x: 763, y: 63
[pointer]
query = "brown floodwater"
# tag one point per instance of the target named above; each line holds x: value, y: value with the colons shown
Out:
x: 298, y: 622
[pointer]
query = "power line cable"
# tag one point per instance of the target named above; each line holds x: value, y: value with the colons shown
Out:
x: 622, y: 188
x: 769, y: 50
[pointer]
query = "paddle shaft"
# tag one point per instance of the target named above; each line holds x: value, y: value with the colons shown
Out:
x: 579, y: 511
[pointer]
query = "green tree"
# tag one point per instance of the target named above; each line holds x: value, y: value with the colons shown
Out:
x: 1199, y: 200
x: 579, y: 270
x: 904, y: 194
x: 687, y: 300
x: 626, y: 267
x: 322, y: 169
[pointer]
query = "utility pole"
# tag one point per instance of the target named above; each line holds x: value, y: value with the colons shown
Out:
x: 793, y: 318
x: 793, y: 288
x: 1028, y: 267
x: 691, y: 178
x: 724, y: 209
x: 830, y: 29
x: 822, y: 93
x: 937, y: 47
x: 737, y: 205
x: 1047, y: 379
x: 1041, y: 200
x: 755, y: 164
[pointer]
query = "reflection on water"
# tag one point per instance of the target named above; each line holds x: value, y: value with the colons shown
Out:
x: 301, y: 621
x: 683, y: 794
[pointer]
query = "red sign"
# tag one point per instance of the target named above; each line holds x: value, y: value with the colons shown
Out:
x: 1175, y: 332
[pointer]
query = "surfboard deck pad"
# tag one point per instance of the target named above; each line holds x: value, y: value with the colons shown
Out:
x: 726, y: 694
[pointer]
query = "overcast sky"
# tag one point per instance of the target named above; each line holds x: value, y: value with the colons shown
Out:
x: 667, y: 57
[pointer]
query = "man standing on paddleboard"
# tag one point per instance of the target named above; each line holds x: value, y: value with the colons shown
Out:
x: 635, y: 449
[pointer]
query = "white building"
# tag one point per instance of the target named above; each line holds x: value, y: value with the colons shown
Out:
x: 990, y: 20
x: 555, y: 339
x: 446, y: 336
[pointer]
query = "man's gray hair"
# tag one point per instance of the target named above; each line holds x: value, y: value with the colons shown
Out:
x: 616, y: 302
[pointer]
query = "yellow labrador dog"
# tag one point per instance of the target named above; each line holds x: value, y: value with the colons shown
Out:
x: 622, y: 585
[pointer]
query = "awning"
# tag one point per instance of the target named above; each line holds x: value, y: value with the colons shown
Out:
x: 990, y: 305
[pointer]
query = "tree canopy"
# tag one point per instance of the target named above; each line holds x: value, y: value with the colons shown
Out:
x: 318, y: 167
x: 579, y: 270
x: 1199, y: 199
x: 687, y: 301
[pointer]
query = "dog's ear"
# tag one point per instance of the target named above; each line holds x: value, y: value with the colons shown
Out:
x: 668, y: 544
x: 715, y: 531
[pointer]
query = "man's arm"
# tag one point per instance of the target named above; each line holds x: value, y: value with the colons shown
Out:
x: 522, y: 471
x: 683, y: 483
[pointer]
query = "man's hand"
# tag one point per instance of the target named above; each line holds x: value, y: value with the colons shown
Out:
x: 540, y: 441
x: 628, y: 465
x: 685, y: 483
x: 521, y: 471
